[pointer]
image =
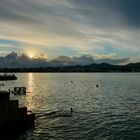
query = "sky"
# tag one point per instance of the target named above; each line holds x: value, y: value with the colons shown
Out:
x: 103, y: 29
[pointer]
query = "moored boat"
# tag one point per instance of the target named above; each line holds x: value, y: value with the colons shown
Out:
x: 6, y: 77
x: 19, y: 91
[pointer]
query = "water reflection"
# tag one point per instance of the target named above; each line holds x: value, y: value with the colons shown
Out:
x: 110, y: 111
x: 30, y: 82
x: 30, y: 92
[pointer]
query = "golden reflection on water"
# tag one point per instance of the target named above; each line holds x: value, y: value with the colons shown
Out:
x: 30, y: 91
x: 30, y: 82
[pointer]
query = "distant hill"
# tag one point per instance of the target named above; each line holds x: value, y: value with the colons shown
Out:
x: 103, y: 67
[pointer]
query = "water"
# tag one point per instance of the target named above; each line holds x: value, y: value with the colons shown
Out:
x: 109, y: 112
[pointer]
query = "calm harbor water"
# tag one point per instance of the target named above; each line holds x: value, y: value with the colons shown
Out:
x: 109, y: 112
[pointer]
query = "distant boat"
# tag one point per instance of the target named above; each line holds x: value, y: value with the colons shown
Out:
x: 6, y: 77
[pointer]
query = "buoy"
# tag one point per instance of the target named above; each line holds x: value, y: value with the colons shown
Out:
x: 71, y: 110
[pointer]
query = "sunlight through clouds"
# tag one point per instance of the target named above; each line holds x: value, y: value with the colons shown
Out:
x: 84, y: 27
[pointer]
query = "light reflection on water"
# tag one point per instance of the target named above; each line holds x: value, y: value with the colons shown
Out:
x: 111, y: 111
x: 30, y: 82
x: 30, y: 89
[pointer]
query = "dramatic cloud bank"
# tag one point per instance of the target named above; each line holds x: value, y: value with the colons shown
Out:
x: 71, y: 27
x: 12, y: 60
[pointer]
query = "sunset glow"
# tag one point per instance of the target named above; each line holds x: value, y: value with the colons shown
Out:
x: 30, y: 55
x: 71, y: 28
x: 70, y: 69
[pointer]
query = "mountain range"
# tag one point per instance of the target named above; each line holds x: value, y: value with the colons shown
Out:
x: 103, y: 67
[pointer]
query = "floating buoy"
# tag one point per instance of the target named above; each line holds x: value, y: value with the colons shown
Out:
x: 71, y: 110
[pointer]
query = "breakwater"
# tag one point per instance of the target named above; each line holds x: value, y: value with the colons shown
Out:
x: 12, y: 115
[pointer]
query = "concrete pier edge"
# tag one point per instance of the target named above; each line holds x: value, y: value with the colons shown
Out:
x: 12, y: 116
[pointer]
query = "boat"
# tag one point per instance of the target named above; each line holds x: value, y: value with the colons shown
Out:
x: 19, y: 91
x: 6, y: 77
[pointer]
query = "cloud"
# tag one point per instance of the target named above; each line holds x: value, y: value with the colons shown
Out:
x: 110, y: 22
x: 6, y: 46
x: 85, y: 26
x: 103, y: 56
x: 13, y: 60
x: 126, y: 10
x: 114, y: 61
x: 83, y: 60
x: 88, y: 59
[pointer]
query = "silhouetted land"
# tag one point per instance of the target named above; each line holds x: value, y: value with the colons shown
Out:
x: 103, y: 67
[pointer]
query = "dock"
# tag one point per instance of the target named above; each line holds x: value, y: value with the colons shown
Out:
x: 13, y: 116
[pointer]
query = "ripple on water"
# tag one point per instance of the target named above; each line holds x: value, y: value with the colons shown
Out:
x: 109, y: 112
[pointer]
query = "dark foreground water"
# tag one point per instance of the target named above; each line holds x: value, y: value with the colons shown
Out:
x: 109, y: 112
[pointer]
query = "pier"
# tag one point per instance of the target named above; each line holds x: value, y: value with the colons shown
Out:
x: 13, y: 116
